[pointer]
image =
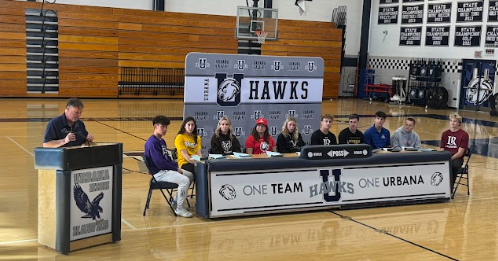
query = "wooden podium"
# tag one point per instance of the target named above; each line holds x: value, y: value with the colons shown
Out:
x: 79, y: 195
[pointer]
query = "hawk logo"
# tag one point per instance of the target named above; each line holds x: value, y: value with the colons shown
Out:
x: 277, y: 66
x: 238, y: 131
x: 202, y: 64
x: 273, y: 131
x: 311, y: 66
x: 201, y: 133
x: 241, y: 65
x: 228, y: 192
x: 229, y: 89
x: 436, y: 179
x: 90, y: 208
x: 227, y: 146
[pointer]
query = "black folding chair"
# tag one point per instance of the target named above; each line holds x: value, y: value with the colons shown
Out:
x: 161, y: 186
x: 463, y: 173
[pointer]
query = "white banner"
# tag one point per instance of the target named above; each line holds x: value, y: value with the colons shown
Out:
x: 91, y: 202
x: 242, y: 192
x: 253, y: 90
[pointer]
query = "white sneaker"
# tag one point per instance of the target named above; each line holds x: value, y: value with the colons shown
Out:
x: 183, y: 212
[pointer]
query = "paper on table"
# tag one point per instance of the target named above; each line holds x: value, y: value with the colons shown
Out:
x: 196, y: 157
x: 216, y: 156
x: 273, y: 154
x: 241, y: 155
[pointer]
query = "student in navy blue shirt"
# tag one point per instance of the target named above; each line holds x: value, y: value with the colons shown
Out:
x: 377, y: 136
x: 163, y: 167
x: 67, y: 129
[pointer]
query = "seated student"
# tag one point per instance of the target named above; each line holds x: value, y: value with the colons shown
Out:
x: 223, y: 140
x: 377, y: 136
x: 323, y: 136
x: 163, y: 167
x: 456, y: 141
x: 351, y: 134
x: 188, y: 144
x: 404, y: 136
x: 260, y: 141
x: 289, y: 140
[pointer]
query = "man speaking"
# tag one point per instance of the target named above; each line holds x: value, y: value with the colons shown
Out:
x: 67, y: 129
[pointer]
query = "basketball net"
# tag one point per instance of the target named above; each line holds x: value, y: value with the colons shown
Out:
x: 261, y: 36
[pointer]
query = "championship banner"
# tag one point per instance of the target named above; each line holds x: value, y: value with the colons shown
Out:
x: 439, y: 13
x: 491, y: 36
x: 91, y: 202
x: 412, y: 14
x: 410, y: 36
x: 247, y: 87
x: 470, y: 11
x: 493, y: 11
x: 468, y: 36
x: 388, y: 15
x: 243, y: 192
x: 437, y: 36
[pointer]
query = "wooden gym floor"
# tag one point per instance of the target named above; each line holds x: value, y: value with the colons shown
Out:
x: 463, y: 229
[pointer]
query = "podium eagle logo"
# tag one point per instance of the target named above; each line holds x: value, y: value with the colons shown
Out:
x: 91, y: 209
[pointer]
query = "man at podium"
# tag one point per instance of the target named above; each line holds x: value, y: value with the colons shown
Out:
x: 67, y: 129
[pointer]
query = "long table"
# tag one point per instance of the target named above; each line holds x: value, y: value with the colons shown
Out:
x: 253, y: 186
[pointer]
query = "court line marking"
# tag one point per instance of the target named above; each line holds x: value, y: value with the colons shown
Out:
x: 18, y: 241
x: 128, y: 224
x: 19, y: 145
x: 391, y: 235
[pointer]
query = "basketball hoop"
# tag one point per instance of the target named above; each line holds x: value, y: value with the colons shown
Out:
x: 261, y: 36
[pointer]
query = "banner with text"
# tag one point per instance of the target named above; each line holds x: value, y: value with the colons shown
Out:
x: 91, y: 202
x: 439, y: 13
x: 437, y: 36
x: 492, y: 36
x: 242, y: 192
x: 493, y: 11
x: 412, y: 14
x: 468, y: 36
x: 388, y: 15
x: 410, y: 36
x: 470, y: 11
x: 246, y: 87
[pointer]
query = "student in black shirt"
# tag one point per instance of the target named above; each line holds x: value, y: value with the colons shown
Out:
x: 351, y: 134
x: 289, y: 140
x: 323, y: 136
x: 223, y: 140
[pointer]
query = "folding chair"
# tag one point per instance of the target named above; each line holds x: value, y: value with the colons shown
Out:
x: 160, y: 185
x: 463, y: 173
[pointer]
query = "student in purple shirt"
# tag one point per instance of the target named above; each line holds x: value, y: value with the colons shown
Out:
x: 377, y: 136
x: 163, y: 167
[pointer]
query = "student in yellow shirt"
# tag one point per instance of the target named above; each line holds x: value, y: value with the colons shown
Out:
x: 188, y: 144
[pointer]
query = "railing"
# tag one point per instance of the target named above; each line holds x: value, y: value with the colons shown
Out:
x: 43, y: 45
x: 151, y: 81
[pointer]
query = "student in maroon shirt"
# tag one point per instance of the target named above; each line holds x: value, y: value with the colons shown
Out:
x: 260, y: 141
x: 456, y: 141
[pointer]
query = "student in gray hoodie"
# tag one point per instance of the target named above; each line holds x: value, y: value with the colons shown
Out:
x: 404, y: 136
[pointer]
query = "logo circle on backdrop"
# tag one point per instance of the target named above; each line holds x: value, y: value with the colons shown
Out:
x: 228, y: 90
x: 228, y: 192
x: 436, y: 178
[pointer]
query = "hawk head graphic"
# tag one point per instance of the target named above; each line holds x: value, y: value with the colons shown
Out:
x: 91, y: 209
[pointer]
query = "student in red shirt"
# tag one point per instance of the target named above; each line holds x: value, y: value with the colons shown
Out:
x: 260, y: 141
x: 456, y: 141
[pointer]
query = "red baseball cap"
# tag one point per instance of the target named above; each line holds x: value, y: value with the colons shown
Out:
x: 262, y: 121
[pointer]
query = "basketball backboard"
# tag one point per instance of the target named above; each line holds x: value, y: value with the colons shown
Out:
x: 252, y: 20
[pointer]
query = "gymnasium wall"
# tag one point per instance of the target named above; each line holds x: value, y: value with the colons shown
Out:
x: 95, y: 43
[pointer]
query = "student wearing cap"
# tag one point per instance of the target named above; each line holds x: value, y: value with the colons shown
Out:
x: 260, y: 141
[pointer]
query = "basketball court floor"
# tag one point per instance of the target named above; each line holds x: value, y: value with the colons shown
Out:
x: 465, y: 228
